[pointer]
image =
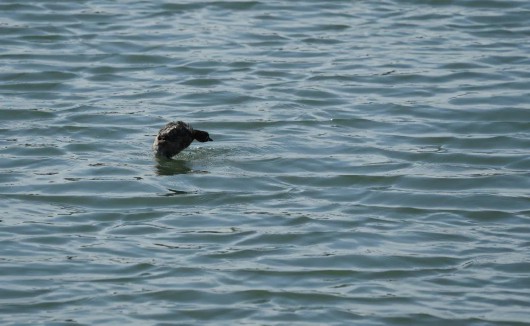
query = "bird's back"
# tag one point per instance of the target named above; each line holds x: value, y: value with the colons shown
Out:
x: 177, y: 131
x: 173, y: 138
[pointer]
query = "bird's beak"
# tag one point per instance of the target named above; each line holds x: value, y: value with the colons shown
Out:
x: 209, y: 139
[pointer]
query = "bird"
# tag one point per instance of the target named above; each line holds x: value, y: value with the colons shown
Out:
x: 175, y: 137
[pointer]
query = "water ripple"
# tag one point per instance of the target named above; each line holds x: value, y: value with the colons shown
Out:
x: 370, y: 163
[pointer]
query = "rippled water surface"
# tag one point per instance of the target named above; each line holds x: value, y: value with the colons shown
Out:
x: 370, y: 162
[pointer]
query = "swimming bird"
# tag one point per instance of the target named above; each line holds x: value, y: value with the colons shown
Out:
x: 176, y: 136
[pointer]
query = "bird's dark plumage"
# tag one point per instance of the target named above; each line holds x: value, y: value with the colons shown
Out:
x: 176, y: 136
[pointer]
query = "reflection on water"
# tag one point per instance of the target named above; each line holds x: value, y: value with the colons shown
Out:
x: 165, y: 166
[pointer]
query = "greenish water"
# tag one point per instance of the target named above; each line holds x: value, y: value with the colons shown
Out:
x: 370, y: 163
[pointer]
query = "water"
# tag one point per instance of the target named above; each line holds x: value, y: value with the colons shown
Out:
x: 370, y: 162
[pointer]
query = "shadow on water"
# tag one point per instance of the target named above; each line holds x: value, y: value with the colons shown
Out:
x: 174, y: 192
